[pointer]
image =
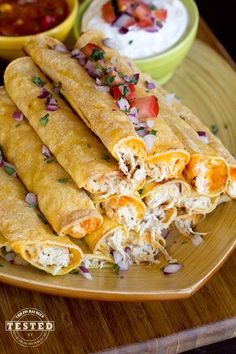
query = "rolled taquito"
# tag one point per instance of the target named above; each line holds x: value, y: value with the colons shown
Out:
x: 127, y: 210
x: 108, y: 238
x: 207, y: 172
x: 28, y: 236
x: 96, y: 108
x: 208, y: 138
x: 167, y: 156
x: 67, y: 208
x: 76, y: 148
x: 166, y: 194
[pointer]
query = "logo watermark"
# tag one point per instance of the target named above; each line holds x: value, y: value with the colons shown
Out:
x: 29, y: 327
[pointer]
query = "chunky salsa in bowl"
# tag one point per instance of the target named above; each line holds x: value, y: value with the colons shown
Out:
x: 20, y: 19
x: 25, y: 17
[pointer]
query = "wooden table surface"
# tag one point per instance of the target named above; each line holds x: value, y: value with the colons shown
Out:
x: 122, y: 328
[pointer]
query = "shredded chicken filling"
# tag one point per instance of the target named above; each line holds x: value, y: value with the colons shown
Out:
x: 123, y: 215
x: 129, y: 162
x: 167, y: 196
x: 163, y: 170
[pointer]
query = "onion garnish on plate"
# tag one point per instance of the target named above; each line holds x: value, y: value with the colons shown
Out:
x: 172, y: 268
x: 18, y: 116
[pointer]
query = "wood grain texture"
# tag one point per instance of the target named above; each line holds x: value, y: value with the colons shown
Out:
x: 160, y: 327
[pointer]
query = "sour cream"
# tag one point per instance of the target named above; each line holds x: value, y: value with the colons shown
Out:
x: 139, y: 43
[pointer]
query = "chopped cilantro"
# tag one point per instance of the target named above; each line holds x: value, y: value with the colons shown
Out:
x: 153, y: 132
x: 1, y: 265
x: 63, y: 180
x: 122, y: 75
x: 100, y: 68
x: 106, y: 157
x: 140, y: 191
x: 153, y: 7
x: 89, y: 146
x: 226, y: 126
x: 42, y: 219
x: 44, y: 120
x: 126, y: 91
x: 97, y: 54
x: 116, y: 268
x: 37, y: 81
x: 50, y: 160
x: 17, y: 125
x: 9, y: 170
x: 74, y: 271
x: 130, y: 42
x: 214, y: 129
x: 108, y: 80
x: 1, y: 153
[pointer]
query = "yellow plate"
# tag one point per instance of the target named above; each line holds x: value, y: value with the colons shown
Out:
x: 207, y: 84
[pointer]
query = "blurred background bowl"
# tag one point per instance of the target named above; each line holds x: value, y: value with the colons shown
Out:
x: 11, y: 47
x: 161, y: 66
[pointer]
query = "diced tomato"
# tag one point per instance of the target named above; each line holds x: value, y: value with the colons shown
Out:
x: 89, y: 48
x: 147, y: 107
x: 115, y: 91
x: 132, y: 89
x: 123, y: 5
x: 146, y: 22
x: 108, y: 12
x: 161, y: 14
x: 143, y: 15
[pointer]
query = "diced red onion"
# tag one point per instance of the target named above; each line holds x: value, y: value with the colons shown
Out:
x: 18, y: 116
x: 85, y: 273
x: 149, y: 140
x: 172, y: 268
x: 164, y: 233
x: 124, y: 265
x: 142, y: 132
x: 127, y: 250
x: 109, y: 43
x: 51, y: 105
x: 90, y: 66
x: 10, y: 257
x: 102, y: 88
x: 151, y: 85
x: 123, y: 104
x: 77, y: 54
x: 56, y: 89
x: 133, y: 78
x: 196, y: 240
x: 46, y: 152
x: 152, y: 29
x: 31, y: 199
x: 98, y: 82
x: 159, y: 24
x: 203, y: 137
x: 110, y: 69
x: 133, y: 112
x: 117, y: 257
x: 122, y: 20
x: 123, y: 30
x: 60, y: 48
x: 44, y: 93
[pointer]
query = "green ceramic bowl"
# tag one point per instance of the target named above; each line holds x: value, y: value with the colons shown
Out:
x: 161, y: 66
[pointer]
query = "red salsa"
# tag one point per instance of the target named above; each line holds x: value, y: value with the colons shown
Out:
x: 25, y: 17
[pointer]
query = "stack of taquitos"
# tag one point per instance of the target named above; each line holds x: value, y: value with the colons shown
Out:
x: 205, y: 164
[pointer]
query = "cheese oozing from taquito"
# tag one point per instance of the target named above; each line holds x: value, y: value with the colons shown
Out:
x: 127, y: 210
x: 76, y: 148
x: 96, y: 108
x: 167, y: 156
x: 27, y: 235
x: 68, y: 209
x: 208, y: 138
